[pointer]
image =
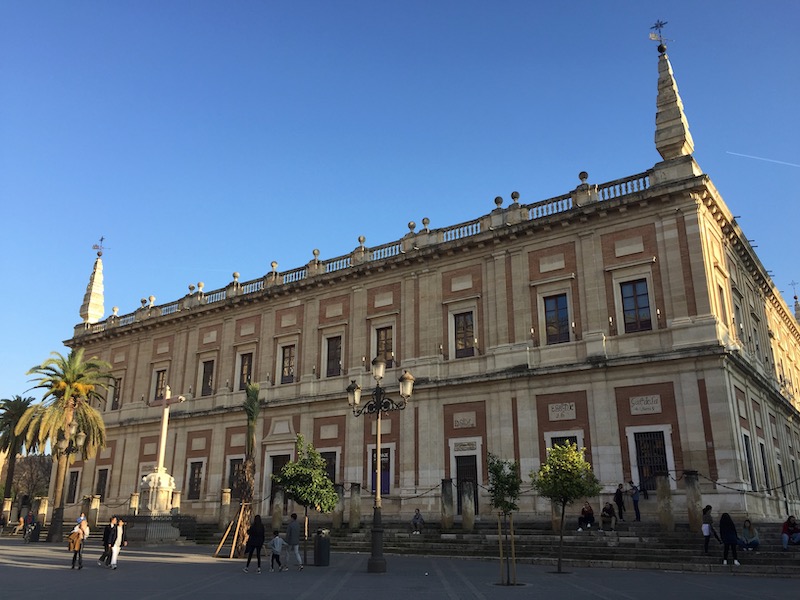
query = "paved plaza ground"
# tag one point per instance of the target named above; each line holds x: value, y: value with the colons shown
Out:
x: 40, y: 570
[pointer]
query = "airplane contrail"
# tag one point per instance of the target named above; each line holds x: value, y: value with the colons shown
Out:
x: 780, y: 162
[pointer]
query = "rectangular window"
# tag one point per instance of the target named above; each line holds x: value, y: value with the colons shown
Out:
x: 207, y: 383
x: 561, y: 440
x: 636, y: 306
x: 72, y: 487
x: 751, y: 468
x: 765, y: 466
x: 384, y: 346
x: 464, y: 327
x: 161, y: 384
x: 245, y: 370
x: 115, y: 391
x: 333, y: 366
x: 287, y: 364
x: 195, y: 480
x: 556, y: 315
x: 330, y: 464
x: 102, y: 482
x: 236, y: 466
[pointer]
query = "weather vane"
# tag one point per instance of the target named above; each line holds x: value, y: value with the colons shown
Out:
x: 99, y: 247
x: 794, y: 285
x: 656, y: 35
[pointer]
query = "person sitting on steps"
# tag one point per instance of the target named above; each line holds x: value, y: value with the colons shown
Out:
x: 587, y: 517
x: 608, y: 518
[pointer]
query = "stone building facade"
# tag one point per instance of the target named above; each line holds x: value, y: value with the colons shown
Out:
x: 632, y: 317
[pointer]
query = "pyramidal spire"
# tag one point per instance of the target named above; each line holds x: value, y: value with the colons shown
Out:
x: 673, y: 139
x: 92, y: 307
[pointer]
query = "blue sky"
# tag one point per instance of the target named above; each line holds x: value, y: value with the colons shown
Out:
x: 201, y: 138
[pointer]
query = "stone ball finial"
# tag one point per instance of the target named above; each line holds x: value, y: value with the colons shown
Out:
x: 115, y: 310
x: 515, y: 196
x: 583, y: 176
x: 144, y: 302
x: 152, y: 300
x: 662, y: 48
x: 274, y: 265
x: 425, y: 222
x: 200, y: 286
x: 99, y: 253
x: 236, y: 275
x: 361, y: 240
x: 498, y: 201
x: 315, y: 252
x: 191, y: 288
x: 412, y: 226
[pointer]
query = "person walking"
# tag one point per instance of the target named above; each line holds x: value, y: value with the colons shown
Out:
x: 708, y: 528
x: 634, y: 492
x: 727, y: 530
x: 276, y: 545
x: 293, y: 541
x: 117, y: 540
x: 619, y: 500
x: 105, y: 557
x: 255, y: 539
x: 76, y: 539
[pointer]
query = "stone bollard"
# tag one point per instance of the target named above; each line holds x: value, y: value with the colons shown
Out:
x: 338, y: 511
x: 693, y: 501
x: 355, y: 506
x: 225, y: 509
x: 7, y: 510
x: 93, y: 516
x: 133, y: 505
x: 447, y: 504
x: 467, y: 505
x: 277, y: 510
x: 664, y: 494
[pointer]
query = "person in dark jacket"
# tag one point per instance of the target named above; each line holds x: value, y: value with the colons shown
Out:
x: 105, y: 557
x: 255, y: 539
x: 117, y: 540
x: 619, y: 500
x: 727, y: 531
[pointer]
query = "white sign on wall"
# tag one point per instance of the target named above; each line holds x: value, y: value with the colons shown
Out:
x: 645, y: 405
x: 561, y: 411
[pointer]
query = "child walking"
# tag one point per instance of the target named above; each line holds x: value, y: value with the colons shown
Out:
x: 276, y: 546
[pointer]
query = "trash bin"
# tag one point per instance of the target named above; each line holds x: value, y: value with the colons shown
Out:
x: 322, y: 548
x: 35, y: 532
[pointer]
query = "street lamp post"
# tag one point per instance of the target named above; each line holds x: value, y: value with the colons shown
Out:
x: 69, y: 442
x: 379, y: 404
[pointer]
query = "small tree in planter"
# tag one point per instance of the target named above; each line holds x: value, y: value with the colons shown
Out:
x: 504, y: 490
x: 306, y: 482
x: 563, y: 478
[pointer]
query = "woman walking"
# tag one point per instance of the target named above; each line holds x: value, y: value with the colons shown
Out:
x: 708, y: 528
x: 255, y: 539
x: 727, y: 531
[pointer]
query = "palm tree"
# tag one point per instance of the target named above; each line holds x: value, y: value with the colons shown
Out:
x: 70, y: 384
x: 11, y: 412
x: 246, y: 479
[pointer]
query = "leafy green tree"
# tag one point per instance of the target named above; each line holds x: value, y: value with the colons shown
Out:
x: 563, y: 478
x: 11, y: 411
x: 70, y: 384
x: 504, y: 491
x: 306, y: 482
x: 246, y: 477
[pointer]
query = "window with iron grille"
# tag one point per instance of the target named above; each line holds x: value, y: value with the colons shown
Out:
x: 72, y: 487
x: 207, y: 383
x: 765, y: 466
x: 333, y: 366
x: 330, y: 464
x: 287, y: 364
x: 636, y: 306
x: 245, y: 369
x: 116, y: 393
x: 751, y: 468
x: 195, y: 480
x: 563, y: 440
x: 236, y: 465
x: 556, y: 316
x: 384, y: 346
x: 464, y: 326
